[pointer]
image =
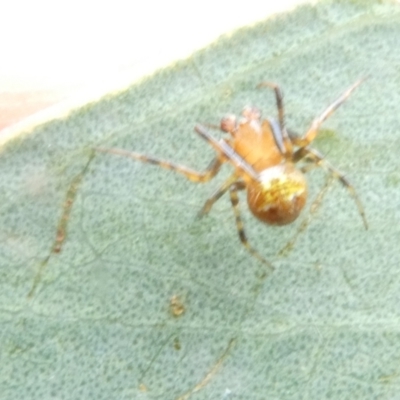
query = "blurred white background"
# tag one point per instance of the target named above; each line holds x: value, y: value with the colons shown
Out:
x: 70, y: 52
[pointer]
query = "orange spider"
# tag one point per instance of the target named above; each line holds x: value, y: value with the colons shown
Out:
x: 264, y: 155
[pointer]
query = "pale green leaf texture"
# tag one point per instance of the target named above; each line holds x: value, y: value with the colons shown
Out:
x: 98, y: 322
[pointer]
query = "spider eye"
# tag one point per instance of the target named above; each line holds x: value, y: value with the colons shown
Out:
x: 228, y: 123
x: 251, y: 113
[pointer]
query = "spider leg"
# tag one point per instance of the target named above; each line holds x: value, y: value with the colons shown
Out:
x: 312, y: 132
x: 313, y: 209
x: 239, y: 224
x: 316, y: 157
x: 307, y: 168
x: 223, y: 148
x: 278, y: 98
x: 212, y: 126
x: 217, y: 195
x: 281, y: 114
x: 192, y: 175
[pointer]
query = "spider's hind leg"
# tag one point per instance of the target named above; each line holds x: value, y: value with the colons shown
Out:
x: 239, y: 224
x: 217, y: 195
x: 313, y: 209
x: 316, y: 157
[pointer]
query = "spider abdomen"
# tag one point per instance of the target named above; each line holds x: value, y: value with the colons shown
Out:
x: 279, y: 196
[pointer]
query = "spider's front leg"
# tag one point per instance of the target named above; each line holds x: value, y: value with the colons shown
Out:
x: 281, y: 116
x: 312, y: 132
x: 192, y: 175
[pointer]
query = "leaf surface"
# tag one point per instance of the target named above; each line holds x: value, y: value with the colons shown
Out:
x: 144, y: 300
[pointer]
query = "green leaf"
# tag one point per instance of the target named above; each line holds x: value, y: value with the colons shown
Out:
x: 145, y: 301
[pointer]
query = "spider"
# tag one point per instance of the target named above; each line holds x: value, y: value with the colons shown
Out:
x: 264, y: 154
